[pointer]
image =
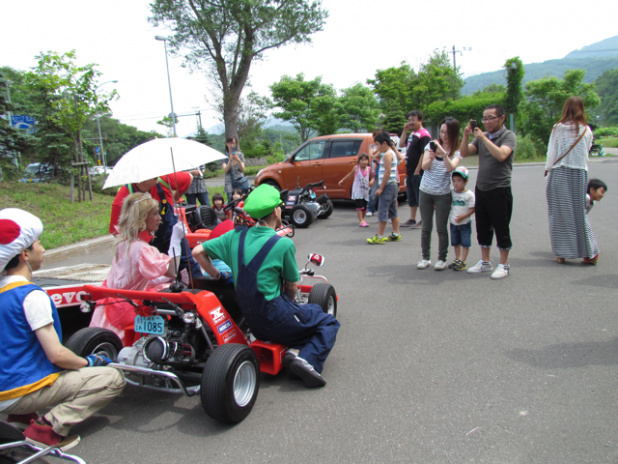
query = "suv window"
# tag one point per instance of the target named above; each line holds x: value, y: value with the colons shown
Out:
x: 310, y: 151
x: 345, y: 147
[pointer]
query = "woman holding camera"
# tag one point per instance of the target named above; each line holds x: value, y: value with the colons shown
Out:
x: 441, y: 157
x: 234, y: 168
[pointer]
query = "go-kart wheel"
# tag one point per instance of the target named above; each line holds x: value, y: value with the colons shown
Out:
x: 328, y: 210
x: 93, y: 340
x: 325, y: 296
x: 230, y: 383
x: 301, y: 216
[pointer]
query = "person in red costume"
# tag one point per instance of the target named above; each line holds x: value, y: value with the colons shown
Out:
x: 161, y: 190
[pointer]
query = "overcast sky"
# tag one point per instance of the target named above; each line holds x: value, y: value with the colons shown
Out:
x: 359, y: 37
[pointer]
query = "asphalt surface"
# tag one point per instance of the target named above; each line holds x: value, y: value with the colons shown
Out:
x: 429, y: 367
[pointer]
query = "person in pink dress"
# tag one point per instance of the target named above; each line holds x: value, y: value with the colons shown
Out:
x: 136, y: 265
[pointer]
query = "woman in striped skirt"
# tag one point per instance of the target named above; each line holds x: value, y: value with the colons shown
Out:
x: 567, y: 171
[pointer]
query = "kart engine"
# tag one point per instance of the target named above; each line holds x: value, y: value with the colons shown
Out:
x: 150, y: 351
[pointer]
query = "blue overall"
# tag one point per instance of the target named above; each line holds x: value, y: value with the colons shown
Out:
x: 164, y: 233
x: 282, y: 320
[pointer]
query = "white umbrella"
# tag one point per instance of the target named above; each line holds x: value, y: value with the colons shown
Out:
x: 159, y: 157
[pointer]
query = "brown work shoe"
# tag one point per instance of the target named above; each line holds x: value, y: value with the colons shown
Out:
x: 43, y: 436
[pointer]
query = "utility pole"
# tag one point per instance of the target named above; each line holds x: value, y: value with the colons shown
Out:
x: 455, y: 51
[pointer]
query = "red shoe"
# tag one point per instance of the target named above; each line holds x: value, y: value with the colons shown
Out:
x: 22, y: 421
x: 592, y: 261
x: 44, y: 436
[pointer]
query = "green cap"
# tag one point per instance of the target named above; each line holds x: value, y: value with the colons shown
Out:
x: 262, y: 201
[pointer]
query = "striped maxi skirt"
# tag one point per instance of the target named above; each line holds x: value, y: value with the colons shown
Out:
x: 569, y: 228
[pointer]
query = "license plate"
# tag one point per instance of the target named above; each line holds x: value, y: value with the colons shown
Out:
x: 154, y: 325
x: 313, y: 195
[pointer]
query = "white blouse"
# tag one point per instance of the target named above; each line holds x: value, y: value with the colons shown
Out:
x: 563, y: 136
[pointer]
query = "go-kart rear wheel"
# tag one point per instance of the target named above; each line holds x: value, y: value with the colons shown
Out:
x: 230, y: 383
x: 93, y: 340
x: 301, y: 216
x: 325, y: 296
x: 328, y: 210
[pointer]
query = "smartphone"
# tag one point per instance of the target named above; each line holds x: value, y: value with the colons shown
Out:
x: 473, y: 124
x: 233, y: 150
x: 433, y: 146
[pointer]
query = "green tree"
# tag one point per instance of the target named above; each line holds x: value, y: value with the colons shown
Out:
x: 309, y: 105
x: 393, y: 86
x: 227, y: 35
x: 436, y: 81
x: 514, y: 77
x: 253, y: 111
x: 69, y: 98
x: 546, y: 97
x: 607, y: 88
x: 360, y: 107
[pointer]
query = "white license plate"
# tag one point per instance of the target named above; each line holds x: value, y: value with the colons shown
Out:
x: 154, y: 325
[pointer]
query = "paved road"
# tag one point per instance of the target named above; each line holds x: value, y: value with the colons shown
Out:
x: 429, y: 367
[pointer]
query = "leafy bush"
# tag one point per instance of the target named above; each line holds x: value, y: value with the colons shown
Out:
x: 606, y: 132
x: 529, y: 149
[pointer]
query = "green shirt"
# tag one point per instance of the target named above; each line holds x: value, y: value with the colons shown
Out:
x: 280, y: 263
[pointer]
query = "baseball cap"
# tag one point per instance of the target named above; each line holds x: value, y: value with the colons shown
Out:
x: 19, y: 229
x: 262, y: 201
x: 462, y: 171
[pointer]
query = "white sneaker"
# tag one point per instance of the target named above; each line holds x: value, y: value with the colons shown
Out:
x: 423, y: 264
x: 369, y: 214
x: 502, y: 271
x: 481, y: 266
x: 440, y: 265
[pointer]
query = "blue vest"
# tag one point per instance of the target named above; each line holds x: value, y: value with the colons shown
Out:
x: 24, y: 367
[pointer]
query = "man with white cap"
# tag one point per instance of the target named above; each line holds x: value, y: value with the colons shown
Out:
x: 36, y: 370
x: 260, y: 261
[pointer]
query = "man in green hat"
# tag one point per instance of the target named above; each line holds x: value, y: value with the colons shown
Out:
x: 266, y: 280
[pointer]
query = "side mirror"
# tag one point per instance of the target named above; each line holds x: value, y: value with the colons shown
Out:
x: 316, y: 259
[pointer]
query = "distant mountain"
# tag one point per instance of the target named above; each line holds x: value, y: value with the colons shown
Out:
x: 595, y: 59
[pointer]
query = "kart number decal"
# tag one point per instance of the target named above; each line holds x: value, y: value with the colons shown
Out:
x: 154, y: 325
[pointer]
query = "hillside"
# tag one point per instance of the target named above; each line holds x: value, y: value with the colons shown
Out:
x: 595, y: 59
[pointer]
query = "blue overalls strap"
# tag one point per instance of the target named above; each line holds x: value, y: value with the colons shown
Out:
x: 259, y: 258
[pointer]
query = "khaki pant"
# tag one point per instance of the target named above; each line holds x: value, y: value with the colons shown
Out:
x: 76, y: 395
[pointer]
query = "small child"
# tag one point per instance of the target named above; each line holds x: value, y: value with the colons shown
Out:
x: 596, y: 192
x: 462, y: 208
x: 217, y: 205
x: 236, y: 194
x: 363, y: 180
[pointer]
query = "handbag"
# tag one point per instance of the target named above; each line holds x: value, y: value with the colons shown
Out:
x: 242, y: 183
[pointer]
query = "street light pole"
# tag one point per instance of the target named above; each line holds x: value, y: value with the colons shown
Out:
x: 169, y: 82
x: 99, y: 125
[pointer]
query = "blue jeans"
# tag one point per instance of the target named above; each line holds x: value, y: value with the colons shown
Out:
x: 193, y: 197
x: 461, y: 235
x: 373, y: 200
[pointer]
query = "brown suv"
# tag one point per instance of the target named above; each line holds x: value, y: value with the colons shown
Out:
x: 329, y: 157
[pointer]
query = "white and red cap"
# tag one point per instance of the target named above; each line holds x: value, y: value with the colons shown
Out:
x: 19, y: 229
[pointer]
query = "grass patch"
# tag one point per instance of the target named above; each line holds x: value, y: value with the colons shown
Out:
x: 64, y: 222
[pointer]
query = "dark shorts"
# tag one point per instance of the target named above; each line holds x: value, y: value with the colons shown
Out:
x: 361, y: 204
x: 413, y: 184
x: 461, y: 235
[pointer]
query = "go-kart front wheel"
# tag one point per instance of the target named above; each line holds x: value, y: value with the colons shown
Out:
x: 328, y: 210
x: 325, y: 296
x: 93, y: 340
x: 230, y: 383
x: 301, y: 216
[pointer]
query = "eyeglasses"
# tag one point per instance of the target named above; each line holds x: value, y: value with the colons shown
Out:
x: 489, y: 118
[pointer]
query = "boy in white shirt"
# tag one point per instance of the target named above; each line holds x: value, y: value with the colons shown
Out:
x: 460, y: 218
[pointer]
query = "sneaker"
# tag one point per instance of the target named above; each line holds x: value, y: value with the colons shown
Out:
x: 310, y: 377
x: 377, y: 240
x: 43, y: 436
x: 408, y: 223
x: 394, y: 238
x: 460, y: 266
x: 287, y: 363
x: 502, y: 271
x: 481, y: 266
x: 369, y: 213
x: 453, y: 264
x: 440, y: 265
x: 418, y: 225
x: 423, y: 264
x: 22, y: 421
